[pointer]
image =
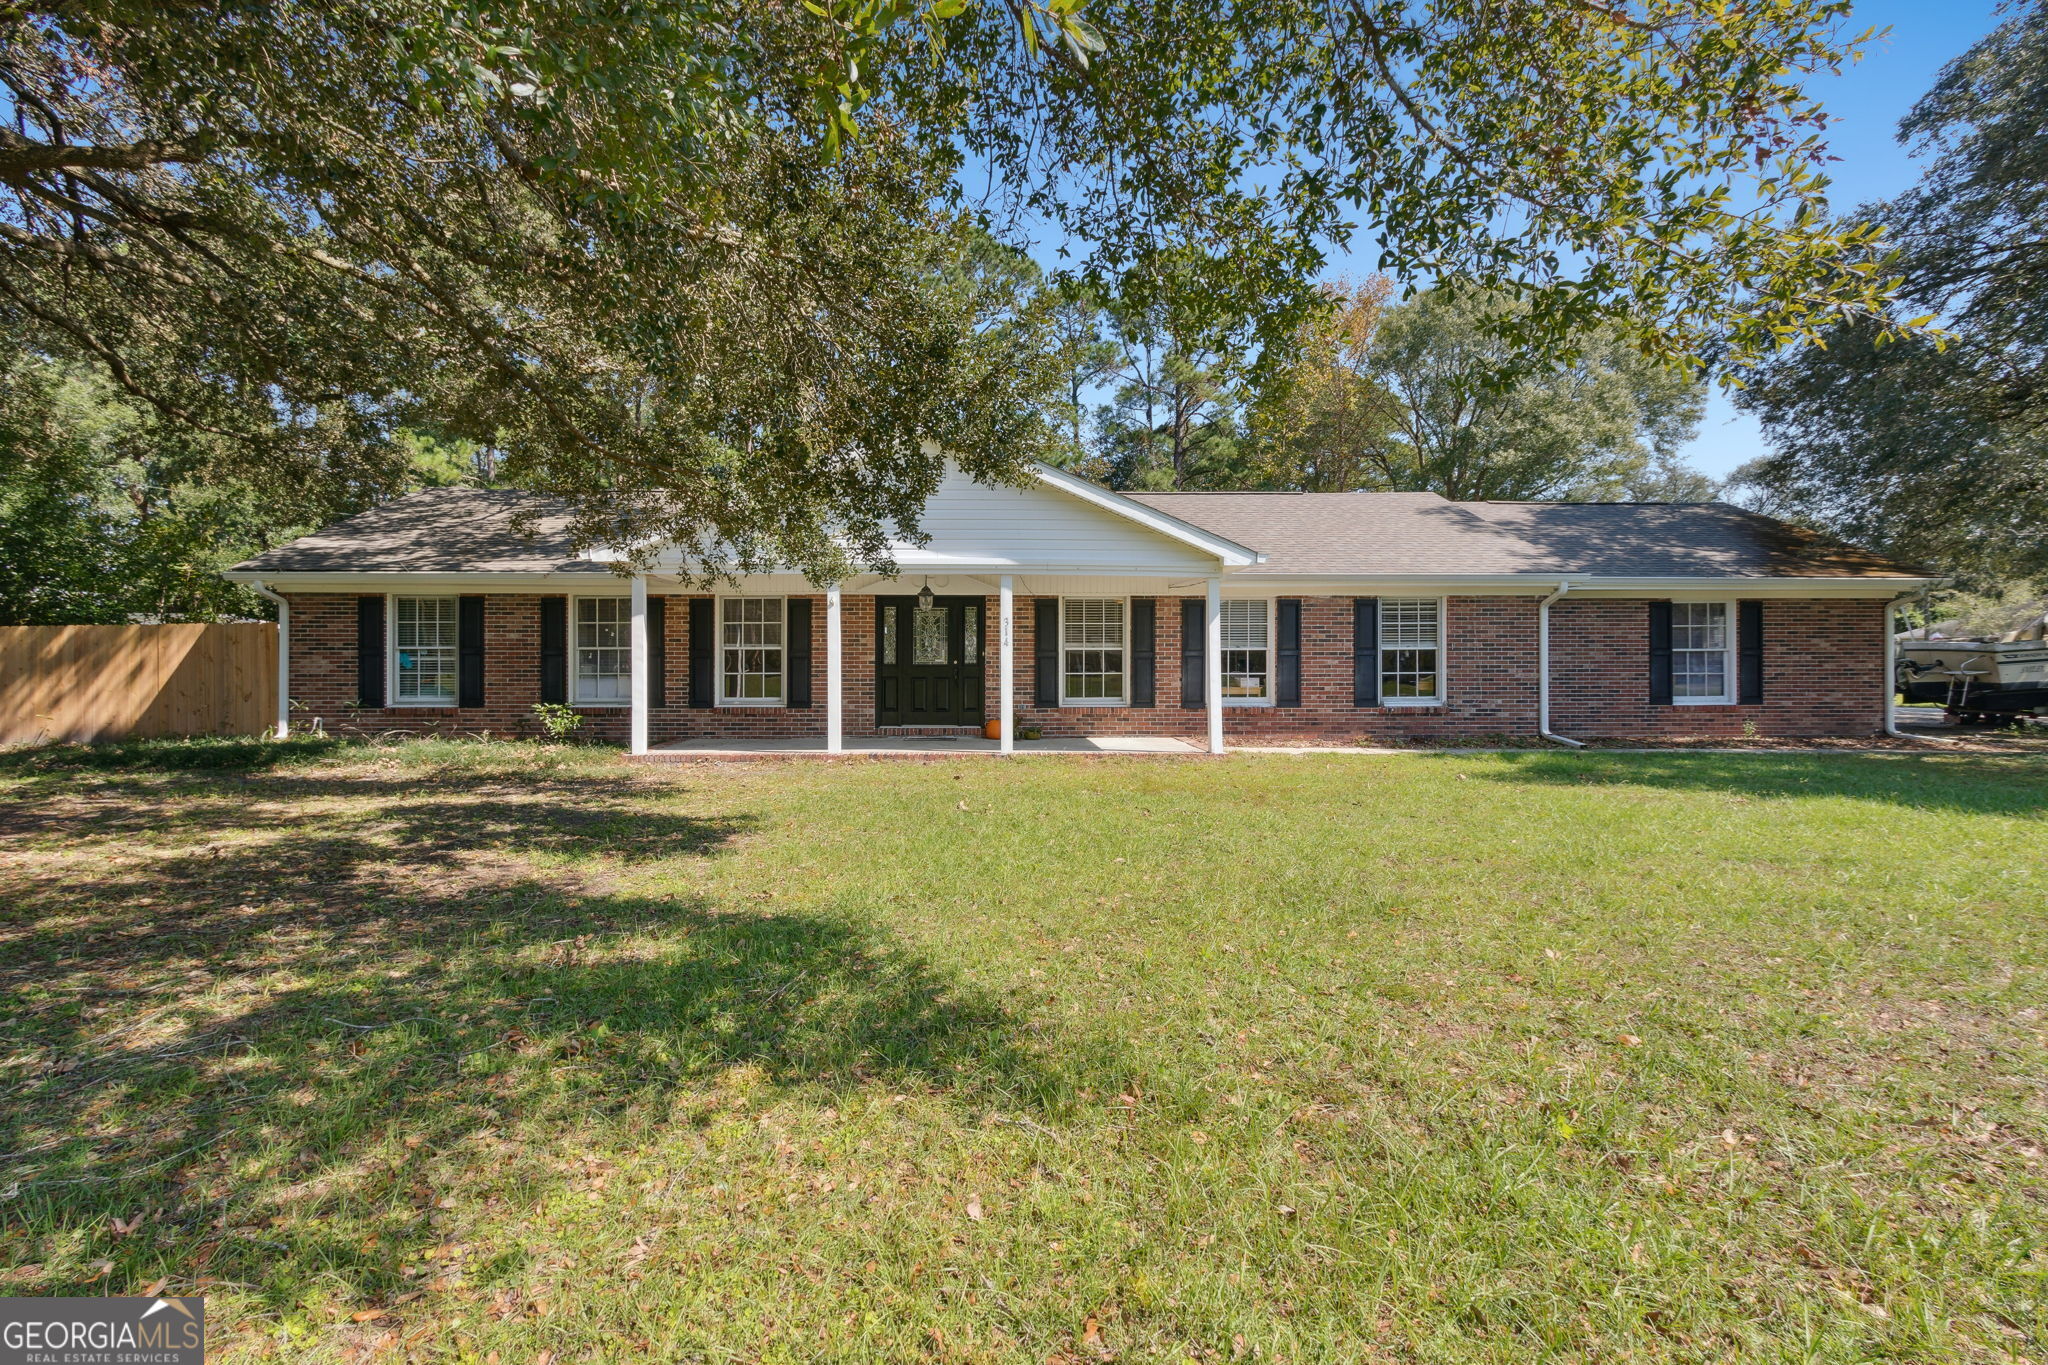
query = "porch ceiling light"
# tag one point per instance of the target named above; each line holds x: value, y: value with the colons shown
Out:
x: 924, y: 596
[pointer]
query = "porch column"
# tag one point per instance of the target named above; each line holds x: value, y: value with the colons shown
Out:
x: 640, y: 652
x: 1007, y: 651
x: 835, y: 740
x: 283, y: 668
x: 1212, y: 664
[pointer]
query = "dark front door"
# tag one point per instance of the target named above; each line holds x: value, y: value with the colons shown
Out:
x: 928, y: 661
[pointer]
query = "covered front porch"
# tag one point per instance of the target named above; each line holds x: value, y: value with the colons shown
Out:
x: 902, y: 746
x: 917, y: 661
x: 896, y: 672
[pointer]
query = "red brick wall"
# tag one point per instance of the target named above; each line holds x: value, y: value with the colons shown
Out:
x: 323, y: 679
x: 1823, y: 672
x: 1489, y: 656
x: 1822, y: 661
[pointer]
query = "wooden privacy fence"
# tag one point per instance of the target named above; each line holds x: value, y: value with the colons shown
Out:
x: 86, y: 683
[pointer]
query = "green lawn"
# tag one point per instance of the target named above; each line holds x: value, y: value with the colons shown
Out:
x: 454, y: 1050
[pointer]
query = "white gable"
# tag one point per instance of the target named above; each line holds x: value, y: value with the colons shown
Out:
x: 1058, y: 524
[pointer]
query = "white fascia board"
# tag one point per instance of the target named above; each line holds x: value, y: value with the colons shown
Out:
x: 594, y: 581
x: 912, y: 568
x: 1541, y: 584
x: 1232, y: 554
x: 1786, y: 586
x: 597, y: 580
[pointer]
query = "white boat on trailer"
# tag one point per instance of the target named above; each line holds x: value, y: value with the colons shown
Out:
x: 1987, y: 681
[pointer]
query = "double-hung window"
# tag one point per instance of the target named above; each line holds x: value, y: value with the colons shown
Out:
x: 1247, y: 637
x: 1411, y: 644
x: 750, y: 643
x: 1093, y: 638
x: 423, y: 641
x: 1701, y: 642
x: 604, y: 651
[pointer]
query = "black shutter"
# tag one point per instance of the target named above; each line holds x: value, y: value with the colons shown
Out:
x: 1287, y: 683
x: 1194, y: 668
x: 370, y: 652
x: 703, y: 652
x: 1749, y: 653
x: 469, y: 651
x: 1660, y: 654
x: 657, y: 651
x: 1045, y: 649
x: 1144, y: 652
x: 1365, y: 651
x: 796, y: 653
x: 554, y: 649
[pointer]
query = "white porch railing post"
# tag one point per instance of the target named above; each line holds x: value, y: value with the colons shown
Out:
x: 638, y: 743
x: 1007, y: 649
x: 835, y: 739
x: 1212, y: 664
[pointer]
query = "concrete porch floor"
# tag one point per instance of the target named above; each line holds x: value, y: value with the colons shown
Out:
x: 873, y: 744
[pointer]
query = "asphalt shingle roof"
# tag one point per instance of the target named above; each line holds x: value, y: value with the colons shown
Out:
x: 438, y: 530
x: 1422, y: 533
x: 467, y: 530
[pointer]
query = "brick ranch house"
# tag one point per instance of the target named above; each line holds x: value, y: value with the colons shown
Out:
x: 1274, y: 617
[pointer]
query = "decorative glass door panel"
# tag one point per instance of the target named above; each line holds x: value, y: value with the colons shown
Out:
x: 928, y: 661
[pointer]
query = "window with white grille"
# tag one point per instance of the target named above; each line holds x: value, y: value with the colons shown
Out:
x: 750, y: 651
x: 1700, y: 644
x: 1247, y: 637
x: 423, y: 641
x: 604, y: 651
x: 1092, y: 644
x: 1411, y: 669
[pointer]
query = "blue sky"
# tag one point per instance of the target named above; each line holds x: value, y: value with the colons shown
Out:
x: 1867, y: 99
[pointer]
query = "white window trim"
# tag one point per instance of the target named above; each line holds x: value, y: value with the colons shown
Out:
x: 575, y: 680
x: 1443, y: 655
x: 718, y: 654
x: 1731, y: 660
x: 1272, y: 655
x: 1125, y: 698
x: 391, y: 699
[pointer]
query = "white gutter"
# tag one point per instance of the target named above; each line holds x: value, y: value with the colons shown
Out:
x: 284, y: 655
x: 1543, y: 668
x: 1891, y: 675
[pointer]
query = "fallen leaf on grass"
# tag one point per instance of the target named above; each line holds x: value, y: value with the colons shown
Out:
x: 974, y: 1207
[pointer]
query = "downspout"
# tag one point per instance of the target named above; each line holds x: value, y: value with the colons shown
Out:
x: 284, y: 657
x: 1543, y: 668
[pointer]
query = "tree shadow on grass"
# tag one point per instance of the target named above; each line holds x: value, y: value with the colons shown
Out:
x: 232, y: 753
x: 246, y: 1037
x: 429, y: 818
x: 1976, y: 784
